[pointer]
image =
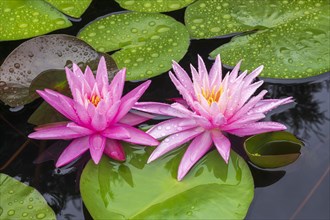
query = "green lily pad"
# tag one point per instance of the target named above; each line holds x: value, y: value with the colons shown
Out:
x: 22, y: 19
x: 19, y: 201
x: 74, y: 8
x: 273, y: 149
x: 136, y: 190
x: 291, y: 38
x: 153, y: 6
x: 147, y: 42
x: 40, y: 54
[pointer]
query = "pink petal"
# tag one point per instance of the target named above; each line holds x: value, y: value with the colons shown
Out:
x: 179, y: 100
x: 221, y: 143
x: 134, y: 118
x: 249, y: 78
x: 248, y: 92
x: 116, y: 132
x: 99, y: 121
x: 112, y: 112
x: 79, y: 129
x: 234, y: 72
x: 55, y: 133
x: 97, y: 144
x: 51, y: 125
x: 186, y: 94
x: 139, y: 137
x: 174, y: 141
x: 216, y: 72
x: 251, y: 118
x: 53, y: 100
x: 182, y: 76
x: 76, y: 148
x: 247, y: 107
x: 257, y: 128
x: 171, y: 126
x: 114, y: 150
x: 158, y: 108
x: 89, y: 77
x: 102, y: 75
x: 129, y: 100
x: 117, y: 85
x: 203, y: 74
x: 269, y: 104
x: 197, y: 149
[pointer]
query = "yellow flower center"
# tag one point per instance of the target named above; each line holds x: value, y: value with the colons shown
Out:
x: 95, y: 99
x: 212, y: 96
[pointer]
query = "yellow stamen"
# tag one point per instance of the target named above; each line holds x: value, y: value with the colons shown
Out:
x: 212, y: 96
x: 95, y: 99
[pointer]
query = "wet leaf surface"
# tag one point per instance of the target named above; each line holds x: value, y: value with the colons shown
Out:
x: 136, y: 190
x: 19, y: 201
x: 22, y: 19
x: 153, y: 6
x: 145, y: 43
x: 35, y: 56
x: 273, y: 149
x: 292, y: 38
x: 74, y: 8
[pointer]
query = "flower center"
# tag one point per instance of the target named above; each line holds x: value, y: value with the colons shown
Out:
x: 213, y: 95
x: 95, y: 99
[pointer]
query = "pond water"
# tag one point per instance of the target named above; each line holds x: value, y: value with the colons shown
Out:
x: 297, y: 191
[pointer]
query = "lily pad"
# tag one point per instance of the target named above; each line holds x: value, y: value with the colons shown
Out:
x: 147, y: 42
x: 153, y: 6
x: 74, y: 8
x: 290, y: 38
x: 273, y: 149
x: 136, y: 190
x: 19, y: 201
x: 40, y: 54
x: 22, y: 19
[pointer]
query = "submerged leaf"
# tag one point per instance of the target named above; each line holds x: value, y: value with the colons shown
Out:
x: 38, y: 55
x: 19, y: 201
x: 292, y: 38
x: 147, y: 43
x: 22, y: 19
x: 136, y: 190
x: 153, y: 6
x: 74, y: 8
x: 273, y: 149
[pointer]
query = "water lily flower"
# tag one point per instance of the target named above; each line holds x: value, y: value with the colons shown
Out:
x: 99, y: 116
x: 211, y: 107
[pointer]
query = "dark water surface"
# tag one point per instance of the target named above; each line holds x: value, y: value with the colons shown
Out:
x: 297, y: 191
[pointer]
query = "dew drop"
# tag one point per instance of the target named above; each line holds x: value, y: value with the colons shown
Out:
x: 215, y: 29
x: 23, y: 25
x: 226, y: 16
x: 30, y: 207
x: 162, y: 29
x: 134, y: 30
x: 152, y: 23
x: 41, y: 216
x: 11, y: 192
x: 24, y: 214
x: 11, y: 212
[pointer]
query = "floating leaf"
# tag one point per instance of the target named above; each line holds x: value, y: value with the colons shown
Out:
x: 22, y: 19
x: 37, y: 55
x: 273, y: 149
x: 292, y: 38
x: 153, y: 6
x: 147, y: 42
x: 19, y: 201
x: 74, y: 8
x: 136, y: 190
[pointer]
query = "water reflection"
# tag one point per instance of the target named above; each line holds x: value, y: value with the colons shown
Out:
x: 308, y: 115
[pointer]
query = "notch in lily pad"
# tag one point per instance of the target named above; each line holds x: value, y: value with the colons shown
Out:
x: 273, y: 149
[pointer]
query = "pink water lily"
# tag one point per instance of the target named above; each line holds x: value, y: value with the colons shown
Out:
x: 99, y: 116
x: 210, y: 108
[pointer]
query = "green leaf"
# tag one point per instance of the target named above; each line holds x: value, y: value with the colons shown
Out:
x: 19, y: 201
x: 74, y: 8
x: 147, y: 42
x: 136, y: 190
x: 292, y: 38
x: 273, y: 149
x: 50, y: 52
x: 22, y: 19
x: 153, y: 6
